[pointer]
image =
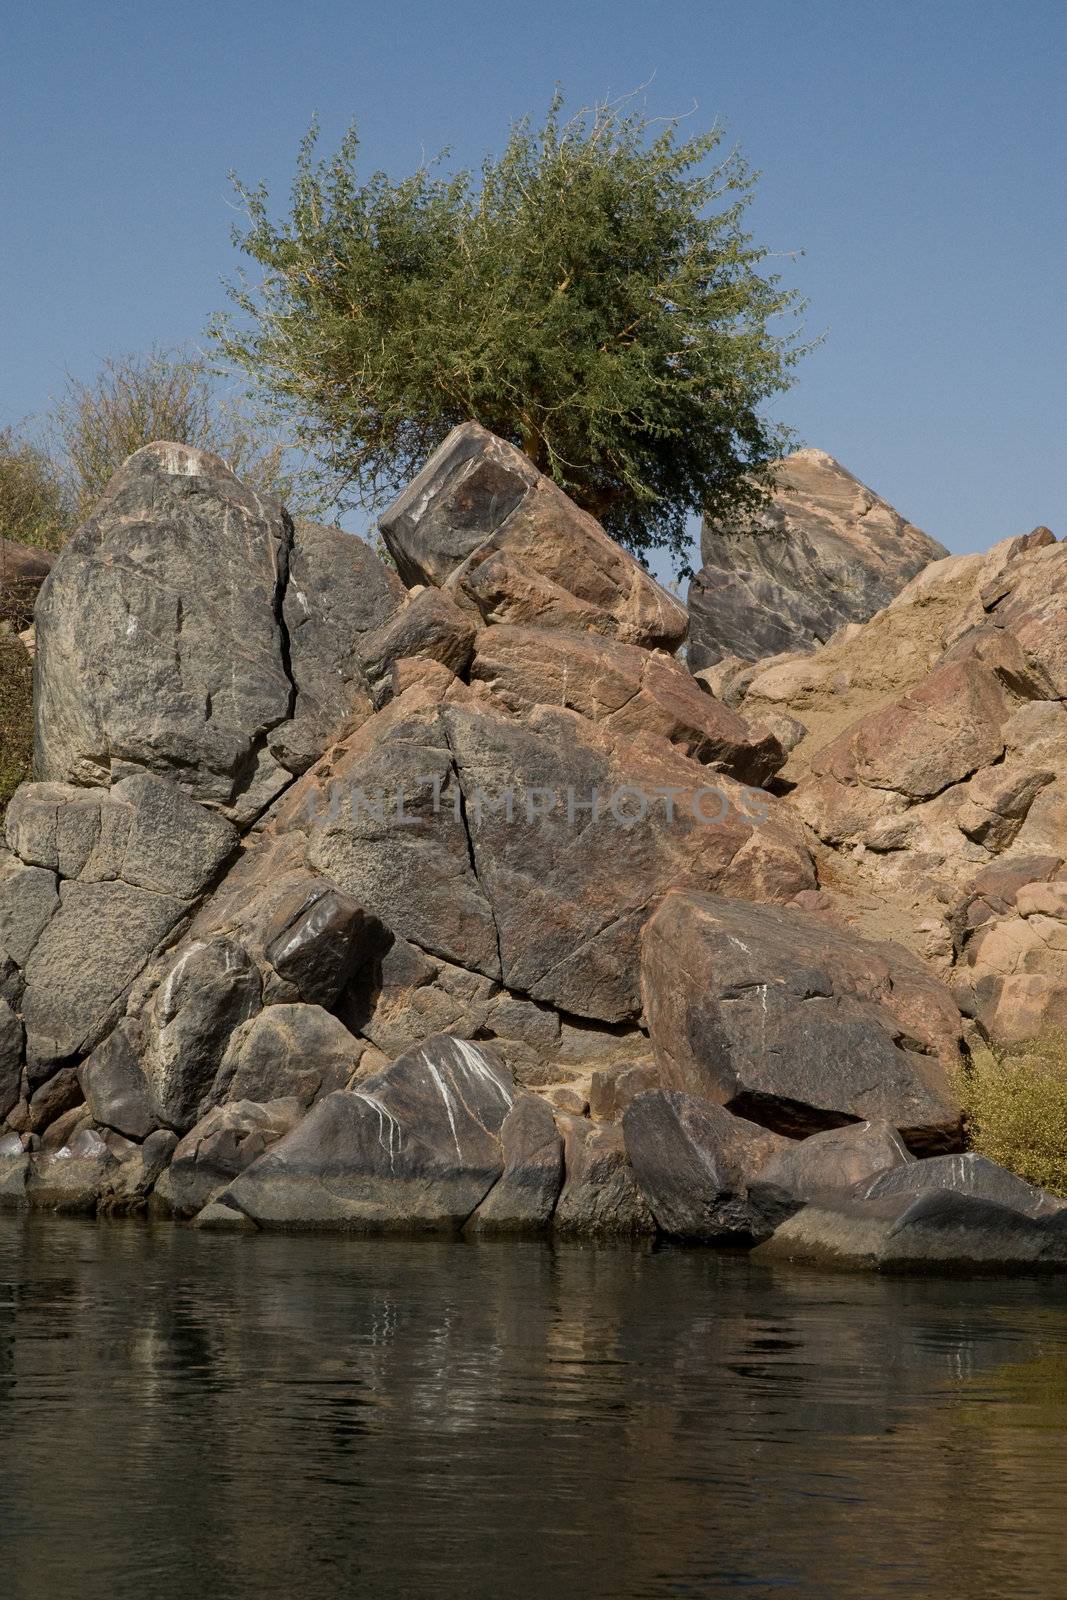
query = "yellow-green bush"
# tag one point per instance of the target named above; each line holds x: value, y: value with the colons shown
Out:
x: 1016, y: 1109
x: 16, y: 717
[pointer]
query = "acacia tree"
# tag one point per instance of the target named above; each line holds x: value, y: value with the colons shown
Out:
x: 591, y: 295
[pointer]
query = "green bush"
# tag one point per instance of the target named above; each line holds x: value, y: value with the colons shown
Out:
x: 1016, y: 1109
x: 591, y: 294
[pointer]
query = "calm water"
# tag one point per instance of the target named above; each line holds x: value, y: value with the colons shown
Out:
x: 185, y: 1415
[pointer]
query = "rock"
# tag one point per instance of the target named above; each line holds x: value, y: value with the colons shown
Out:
x: 524, y: 1197
x: 209, y: 991
x: 14, y: 1170
x: 600, y: 1196
x: 64, y: 1128
x: 338, y: 592
x: 23, y: 569
x: 969, y: 1174
x: 110, y: 875
x: 29, y: 898
x: 297, y: 1052
x: 935, y: 1231
x: 836, y: 1161
x: 127, y: 1187
x: 416, y: 1147
x: 997, y: 803
x: 430, y: 627
x: 11, y: 1043
x: 115, y: 1086
x: 628, y: 689
x: 611, y: 1089
x: 220, y: 1147
x: 938, y: 734
x: 825, y: 551
x: 159, y: 640
x: 796, y: 1025
x: 145, y: 833
x: 54, y: 1097
x: 480, y: 518
x: 315, y: 939
x: 69, y: 1180
x: 694, y: 1164
x: 217, y: 1217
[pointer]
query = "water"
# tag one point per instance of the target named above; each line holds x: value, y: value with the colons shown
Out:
x: 188, y: 1415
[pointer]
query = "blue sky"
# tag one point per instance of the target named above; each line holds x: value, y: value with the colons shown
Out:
x: 916, y: 154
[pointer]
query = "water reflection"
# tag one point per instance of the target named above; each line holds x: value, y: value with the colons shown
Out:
x: 321, y: 1417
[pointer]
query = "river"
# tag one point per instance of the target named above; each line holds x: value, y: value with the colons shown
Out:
x: 210, y: 1416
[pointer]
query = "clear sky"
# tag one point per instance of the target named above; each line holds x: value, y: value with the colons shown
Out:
x: 914, y: 150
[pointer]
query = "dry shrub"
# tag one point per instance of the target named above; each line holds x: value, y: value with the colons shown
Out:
x: 1016, y: 1108
x: 34, y: 502
x: 16, y: 717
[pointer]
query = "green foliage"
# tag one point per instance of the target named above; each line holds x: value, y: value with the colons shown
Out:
x: 135, y: 400
x: 34, y: 504
x: 592, y: 296
x: 16, y: 717
x: 1016, y: 1109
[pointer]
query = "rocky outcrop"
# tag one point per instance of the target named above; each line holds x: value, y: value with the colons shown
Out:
x: 341, y: 904
x: 933, y: 769
x: 825, y: 551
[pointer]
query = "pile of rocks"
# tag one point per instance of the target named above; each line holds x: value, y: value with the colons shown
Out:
x: 433, y: 895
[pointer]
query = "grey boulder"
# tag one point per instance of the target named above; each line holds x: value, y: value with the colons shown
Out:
x: 524, y: 1197
x: 159, y: 634
x: 480, y: 518
x: 795, y: 1024
x: 415, y: 1148
x: 695, y: 1164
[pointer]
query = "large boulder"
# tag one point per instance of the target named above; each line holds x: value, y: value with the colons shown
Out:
x: 221, y: 1145
x: 416, y: 1147
x: 524, y: 1197
x: 798, y: 1025
x: 695, y: 1163
x: 160, y: 644
x: 824, y: 551
x: 627, y: 689
x: 482, y: 520
x: 288, y: 1051
x: 102, y: 878
x: 600, y: 1196
x: 929, y: 1217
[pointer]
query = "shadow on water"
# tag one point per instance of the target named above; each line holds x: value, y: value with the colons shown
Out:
x: 324, y: 1417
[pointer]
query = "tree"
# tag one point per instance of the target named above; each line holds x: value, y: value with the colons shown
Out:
x: 591, y: 296
x: 135, y: 400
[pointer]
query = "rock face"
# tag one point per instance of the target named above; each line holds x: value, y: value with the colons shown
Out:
x: 933, y: 769
x: 338, y: 904
x: 824, y: 552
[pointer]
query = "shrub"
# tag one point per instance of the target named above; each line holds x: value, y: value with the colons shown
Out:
x: 16, y: 717
x: 1016, y: 1109
x: 34, y: 504
x: 135, y: 400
